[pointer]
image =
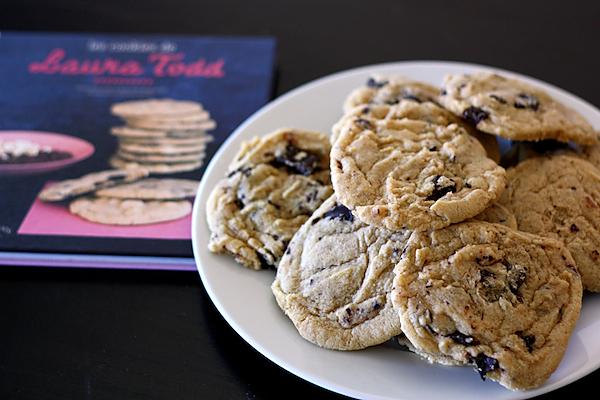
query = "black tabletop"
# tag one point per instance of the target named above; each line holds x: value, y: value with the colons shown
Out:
x: 91, y: 334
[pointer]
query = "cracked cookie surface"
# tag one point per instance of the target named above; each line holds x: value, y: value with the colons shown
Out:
x: 503, y: 301
x: 335, y: 279
x: 273, y: 186
x: 390, y: 90
x: 513, y: 109
x: 411, y: 174
x: 426, y: 111
x: 559, y: 197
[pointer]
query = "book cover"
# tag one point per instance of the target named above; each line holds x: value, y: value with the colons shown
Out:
x: 104, y: 138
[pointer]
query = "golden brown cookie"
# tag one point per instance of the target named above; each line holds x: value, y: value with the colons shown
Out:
x: 486, y: 295
x: 559, y: 197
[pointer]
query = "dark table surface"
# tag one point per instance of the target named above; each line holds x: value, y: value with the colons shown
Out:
x: 84, y: 334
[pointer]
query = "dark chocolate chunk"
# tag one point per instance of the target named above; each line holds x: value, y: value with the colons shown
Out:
x: 297, y: 161
x: 528, y: 339
x: 463, y: 339
x: 484, y: 364
x: 243, y: 170
x: 499, y: 99
x: 443, y: 92
x: 315, y: 220
x: 277, y: 207
x: 574, y: 228
x: 363, y: 123
x: 410, y: 96
x: 372, y: 83
x: 525, y: 100
x: 516, y: 276
x: 475, y: 115
x: 239, y: 203
x: 339, y: 211
x: 440, y: 189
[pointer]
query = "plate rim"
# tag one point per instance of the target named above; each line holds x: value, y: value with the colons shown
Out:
x: 342, y: 74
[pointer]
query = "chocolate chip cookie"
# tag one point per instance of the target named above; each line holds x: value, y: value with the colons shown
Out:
x: 513, y: 109
x: 111, y: 211
x: 334, y: 280
x: 402, y: 174
x: 559, y: 197
x: 426, y: 111
x: 88, y: 183
x: 273, y: 186
x: 390, y: 90
x: 152, y: 189
x: 503, y: 301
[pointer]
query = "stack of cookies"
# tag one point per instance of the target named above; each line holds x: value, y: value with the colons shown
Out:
x: 426, y: 239
x: 163, y: 136
x: 123, y: 197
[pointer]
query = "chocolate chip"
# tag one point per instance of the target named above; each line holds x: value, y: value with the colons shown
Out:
x: 574, y: 228
x: 372, y: 83
x: 297, y: 161
x: 525, y: 100
x: 376, y: 306
x: 441, y: 188
x: 475, y: 115
x: 443, y: 92
x: 315, y: 220
x: 274, y: 205
x: 468, y: 185
x: 410, y: 96
x: 516, y: 276
x: 484, y: 364
x: 463, y: 339
x: 499, y: 99
x: 433, y: 148
x: 363, y: 123
x: 528, y: 339
x: 365, y: 110
x: 391, y: 102
x: 339, y: 211
x: 243, y: 170
x: 239, y: 203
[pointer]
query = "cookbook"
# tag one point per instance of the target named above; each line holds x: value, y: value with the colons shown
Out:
x: 104, y: 139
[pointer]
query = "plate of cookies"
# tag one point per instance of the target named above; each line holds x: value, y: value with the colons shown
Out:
x: 393, y: 226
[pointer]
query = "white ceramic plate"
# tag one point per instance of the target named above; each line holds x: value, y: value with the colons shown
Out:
x: 244, y: 296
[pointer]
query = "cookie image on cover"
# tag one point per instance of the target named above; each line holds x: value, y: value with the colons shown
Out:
x: 335, y: 280
x: 163, y: 136
x: 481, y: 294
x: 272, y: 187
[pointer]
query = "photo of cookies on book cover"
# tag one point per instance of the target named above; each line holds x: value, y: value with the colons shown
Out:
x: 104, y: 138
